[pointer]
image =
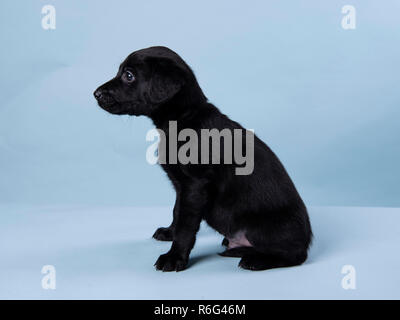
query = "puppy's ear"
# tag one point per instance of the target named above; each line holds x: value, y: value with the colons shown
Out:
x: 166, y: 80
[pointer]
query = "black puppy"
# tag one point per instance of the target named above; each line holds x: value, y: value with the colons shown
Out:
x: 261, y: 214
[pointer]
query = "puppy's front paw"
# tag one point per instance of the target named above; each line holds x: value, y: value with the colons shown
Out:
x: 171, y: 262
x: 163, y: 234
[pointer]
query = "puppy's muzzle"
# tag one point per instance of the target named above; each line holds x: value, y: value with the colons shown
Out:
x: 104, y: 98
x: 107, y: 102
x: 98, y: 94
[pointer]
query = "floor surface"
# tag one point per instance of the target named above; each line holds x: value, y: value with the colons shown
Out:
x: 108, y: 253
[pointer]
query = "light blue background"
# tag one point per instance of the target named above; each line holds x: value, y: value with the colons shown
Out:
x: 74, y: 179
x: 105, y: 252
x: 325, y: 99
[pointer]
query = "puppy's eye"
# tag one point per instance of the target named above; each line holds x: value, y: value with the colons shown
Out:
x: 128, y: 76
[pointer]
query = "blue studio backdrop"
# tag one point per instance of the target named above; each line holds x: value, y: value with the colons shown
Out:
x: 324, y: 98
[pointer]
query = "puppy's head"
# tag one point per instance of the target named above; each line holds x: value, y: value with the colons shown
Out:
x: 147, y: 79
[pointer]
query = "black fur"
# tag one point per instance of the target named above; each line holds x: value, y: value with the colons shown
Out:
x: 264, y: 205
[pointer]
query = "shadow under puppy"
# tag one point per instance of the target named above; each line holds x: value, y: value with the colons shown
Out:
x: 261, y: 214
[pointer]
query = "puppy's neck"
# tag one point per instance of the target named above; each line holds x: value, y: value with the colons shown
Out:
x: 185, y: 105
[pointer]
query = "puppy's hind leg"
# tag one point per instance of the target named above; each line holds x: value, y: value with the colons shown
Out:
x: 255, y: 260
x: 252, y: 259
x: 277, y: 251
x: 261, y: 261
x: 163, y: 234
x: 237, y: 252
x: 279, y: 242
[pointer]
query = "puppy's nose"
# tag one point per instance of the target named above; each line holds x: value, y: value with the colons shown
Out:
x: 98, y: 93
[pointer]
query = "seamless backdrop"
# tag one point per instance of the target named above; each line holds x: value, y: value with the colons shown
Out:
x: 325, y: 99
